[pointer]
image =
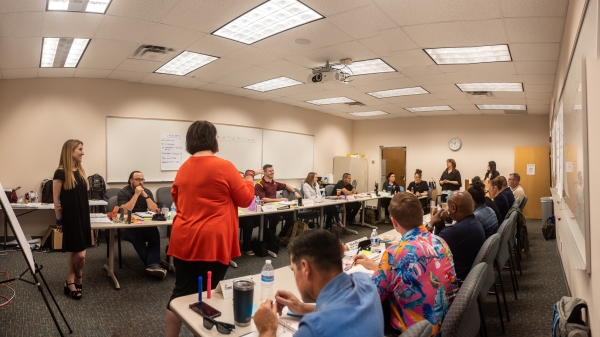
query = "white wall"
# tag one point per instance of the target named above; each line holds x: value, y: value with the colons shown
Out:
x: 38, y: 115
x: 484, y: 138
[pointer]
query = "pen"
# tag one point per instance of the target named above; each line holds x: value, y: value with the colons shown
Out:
x: 357, y: 252
x: 208, y: 284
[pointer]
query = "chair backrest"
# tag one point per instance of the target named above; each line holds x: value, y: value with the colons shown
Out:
x: 112, y: 192
x: 289, y: 195
x: 279, y: 194
x: 463, y: 318
x: 487, y: 254
x: 112, y: 202
x: 523, y: 203
x: 504, y: 230
x: 516, y: 203
x: 513, y: 228
x: 419, y: 329
x: 329, y: 189
x: 164, y: 197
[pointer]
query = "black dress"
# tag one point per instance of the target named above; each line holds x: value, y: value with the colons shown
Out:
x: 75, y: 214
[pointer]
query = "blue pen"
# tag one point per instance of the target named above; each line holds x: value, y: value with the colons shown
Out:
x: 199, y: 288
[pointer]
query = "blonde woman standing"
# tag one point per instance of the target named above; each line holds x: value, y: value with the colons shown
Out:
x: 71, y: 206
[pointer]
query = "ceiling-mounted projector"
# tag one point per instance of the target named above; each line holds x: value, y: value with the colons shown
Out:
x: 327, y: 76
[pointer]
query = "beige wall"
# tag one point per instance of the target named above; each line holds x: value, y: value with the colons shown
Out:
x: 38, y: 115
x: 484, y: 138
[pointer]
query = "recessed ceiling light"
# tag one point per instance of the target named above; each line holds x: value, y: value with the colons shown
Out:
x: 490, y: 86
x: 91, y: 6
x: 334, y: 100
x: 270, y: 18
x: 467, y: 55
x: 365, y: 67
x: 502, y: 107
x: 63, y: 52
x: 302, y: 41
x: 276, y: 83
x: 369, y: 113
x: 399, y: 92
x: 430, y: 108
x: 185, y: 63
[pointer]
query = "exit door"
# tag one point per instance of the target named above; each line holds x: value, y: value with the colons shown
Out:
x: 393, y: 159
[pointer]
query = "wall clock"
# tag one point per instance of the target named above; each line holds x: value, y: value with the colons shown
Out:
x: 454, y: 144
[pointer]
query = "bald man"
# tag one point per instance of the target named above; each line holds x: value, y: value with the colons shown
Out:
x: 465, y: 237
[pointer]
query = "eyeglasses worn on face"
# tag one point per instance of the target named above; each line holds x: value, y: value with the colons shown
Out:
x: 222, y: 327
x: 141, y: 180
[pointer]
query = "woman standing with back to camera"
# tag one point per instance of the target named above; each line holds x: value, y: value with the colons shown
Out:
x: 72, y: 210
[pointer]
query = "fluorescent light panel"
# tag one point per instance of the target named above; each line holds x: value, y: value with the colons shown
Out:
x: 63, y: 52
x: 430, y: 108
x: 91, y: 6
x: 365, y: 67
x: 468, y: 55
x: 369, y: 113
x: 490, y: 86
x: 502, y: 106
x: 270, y: 18
x: 334, y: 100
x: 276, y: 83
x: 185, y: 63
x: 399, y: 92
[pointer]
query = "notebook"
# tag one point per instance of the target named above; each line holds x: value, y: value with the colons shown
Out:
x: 288, y: 326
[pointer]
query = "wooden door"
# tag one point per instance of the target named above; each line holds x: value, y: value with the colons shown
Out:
x: 395, y: 158
x: 535, y: 186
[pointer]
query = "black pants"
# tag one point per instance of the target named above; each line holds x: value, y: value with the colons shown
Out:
x: 186, y: 277
x: 288, y: 218
x: 332, y: 215
x: 385, y: 203
x: 247, y: 225
x: 352, y: 209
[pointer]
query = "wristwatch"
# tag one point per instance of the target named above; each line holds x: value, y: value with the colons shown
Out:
x: 147, y: 196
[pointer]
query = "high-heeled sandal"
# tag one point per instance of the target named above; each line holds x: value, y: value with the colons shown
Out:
x: 75, y: 294
x: 80, y: 285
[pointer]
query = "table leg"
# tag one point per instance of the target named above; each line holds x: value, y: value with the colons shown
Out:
x: 110, y: 268
x: 322, y: 218
x: 362, y: 222
x: 261, y: 228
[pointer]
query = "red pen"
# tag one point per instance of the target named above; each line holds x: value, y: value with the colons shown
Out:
x: 208, y: 284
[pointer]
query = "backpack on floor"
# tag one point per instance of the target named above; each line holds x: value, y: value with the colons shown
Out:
x: 568, y: 318
x: 549, y: 229
x: 299, y: 227
x: 97, y: 187
x: 46, y: 189
x: 270, y: 242
x: 370, y: 217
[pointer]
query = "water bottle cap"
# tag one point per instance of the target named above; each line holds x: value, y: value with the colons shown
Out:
x: 268, y: 261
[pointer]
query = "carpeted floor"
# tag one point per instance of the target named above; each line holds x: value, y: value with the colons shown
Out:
x: 138, y: 309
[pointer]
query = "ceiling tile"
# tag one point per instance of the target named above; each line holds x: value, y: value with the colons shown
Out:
x: 207, y: 16
x: 534, y: 107
x: 159, y: 79
x: 388, y: 41
x: 493, y: 112
x: 460, y: 101
x: 70, y: 24
x: 13, y: 6
x: 409, y: 58
x: 488, y: 100
x: 172, y: 37
x: 469, y: 112
x: 215, y: 46
x: 316, y: 58
x: 151, y: 10
x: 264, y: 96
x: 246, y: 77
x: 535, y: 51
x: 299, y: 89
x: 538, y: 101
x: 108, y: 54
x: 362, y: 22
x: 331, y: 7
x: 252, y: 55
x: 129, y: 76
x: 216, y: 87
x: 535, y: 29
x: 495, y: 76
x: 19, y: 73
x: 425, y: 101
x: 121, y: 28
x: 537, y: 79
x: 450, y: 95
x: 21, y: 24
x: 20, y: 52
x: 365, y: 80
x: 397, y: 83
x: 56, y: 72
x: 534, y: 8
x: 538, y: 88
x: 464, y: 107
x: 431, y: 79
x: 420, y: 70
x: 218, y: 69
x: 458, y: 34
x: 536, y: 67
x: 139, y: 65
x: 481, y: 69
x: 538, y: 95
x: 188, y: 82
x: 509, y: 94
x: 438, y: 88
x: 92, y: 73
x: 284, y: 67
x: 437, y: 113
x: 414, y: 12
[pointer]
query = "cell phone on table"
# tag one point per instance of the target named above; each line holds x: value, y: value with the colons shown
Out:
x: 204, y: 309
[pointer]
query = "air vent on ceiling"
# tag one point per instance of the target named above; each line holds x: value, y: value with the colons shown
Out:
x: 478, y: 94
x: 355, y: 104
x: 516, y: 112
x: 153, y: 53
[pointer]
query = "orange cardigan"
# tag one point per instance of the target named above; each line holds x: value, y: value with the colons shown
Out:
x: 207, y: 192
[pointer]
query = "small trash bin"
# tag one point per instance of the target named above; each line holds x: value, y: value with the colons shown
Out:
x: 547, y: 208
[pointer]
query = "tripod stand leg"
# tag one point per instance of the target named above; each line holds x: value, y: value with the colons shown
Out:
x: 39, y: 286
x: 55, y: 303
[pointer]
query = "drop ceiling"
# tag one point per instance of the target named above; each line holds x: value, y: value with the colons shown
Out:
x: 395, y: 31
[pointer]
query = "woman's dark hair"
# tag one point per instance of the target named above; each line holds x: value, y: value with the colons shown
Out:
x: 319, y: 247
x: 476, y: 180
x: 492, y: 166
x: 477, y: 191
x: 451, y: 161
x: 389, y: 175
x: 201, y: 136
x: 418, y: 173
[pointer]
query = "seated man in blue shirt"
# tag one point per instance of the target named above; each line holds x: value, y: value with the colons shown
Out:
x: 346, y: 305
x: 465, y: 237
x: 139, y: 199
x: 484, y: 214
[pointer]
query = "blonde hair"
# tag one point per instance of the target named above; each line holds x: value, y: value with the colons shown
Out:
x: 66, y: 163
x: 310, y: 178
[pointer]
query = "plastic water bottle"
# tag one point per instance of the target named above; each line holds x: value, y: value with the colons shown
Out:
x: 257, y: 206
x: 267, y: 278
x: 374, y: 241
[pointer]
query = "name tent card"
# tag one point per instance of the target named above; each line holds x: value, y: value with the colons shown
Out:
x: 226, y: 287
x: 353, y: 245
x: 350, y: 198
x: 373, y: 195
x: 306, y: 202
x: 269, y: 208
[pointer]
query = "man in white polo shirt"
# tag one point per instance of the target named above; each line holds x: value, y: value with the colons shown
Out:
x: 514, y: 180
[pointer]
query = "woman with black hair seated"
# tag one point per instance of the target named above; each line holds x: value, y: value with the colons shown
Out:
x: 476, y: 181
x: 389, y: 186
x: 419, y: 188
x: 491, y: 171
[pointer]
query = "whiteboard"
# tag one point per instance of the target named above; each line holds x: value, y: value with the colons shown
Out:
x: 291, y: 154
x: 134, y: 144
x: 17, y: 230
